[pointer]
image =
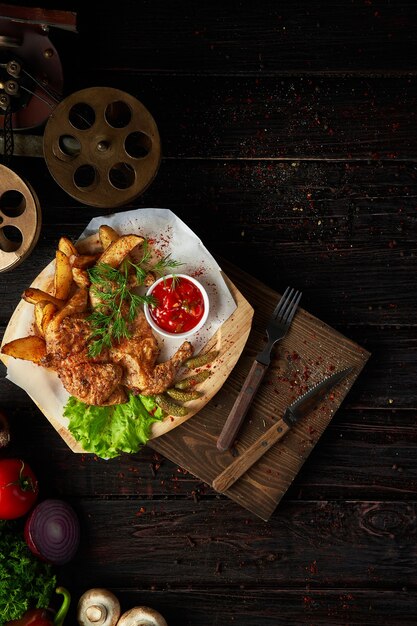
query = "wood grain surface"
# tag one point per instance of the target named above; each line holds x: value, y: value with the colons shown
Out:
x: 288, y: 134
x: 310, y: 351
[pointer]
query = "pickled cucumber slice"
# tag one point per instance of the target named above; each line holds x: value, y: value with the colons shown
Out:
x: 171, y: 407
x: 183, y: 396
x: 201, y: 359
x: 191, y: 381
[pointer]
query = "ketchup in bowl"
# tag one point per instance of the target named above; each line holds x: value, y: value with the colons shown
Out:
x: 181, y: 305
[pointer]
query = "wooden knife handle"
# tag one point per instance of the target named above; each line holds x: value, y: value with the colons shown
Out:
x: 240, y: 465
x: 241, y: 406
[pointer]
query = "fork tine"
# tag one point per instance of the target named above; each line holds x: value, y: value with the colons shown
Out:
x: 288, y: 304
x: 282, y: 302
x: 291, y: 312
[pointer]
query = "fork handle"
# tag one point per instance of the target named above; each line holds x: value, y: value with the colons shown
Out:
x: 241, y: 406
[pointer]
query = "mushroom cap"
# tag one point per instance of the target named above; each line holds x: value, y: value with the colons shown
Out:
x: 98, y: 607
x: 142, y: 616
x: 4, y: 430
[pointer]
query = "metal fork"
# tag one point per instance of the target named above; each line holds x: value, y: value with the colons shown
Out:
x: 276, y: 329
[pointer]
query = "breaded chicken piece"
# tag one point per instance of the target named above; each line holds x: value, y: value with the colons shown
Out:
x: 138, y: 355
x: 129, y: 364
x: 93, y: 381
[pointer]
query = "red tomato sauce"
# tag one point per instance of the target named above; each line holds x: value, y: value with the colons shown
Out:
x: 180, y: 305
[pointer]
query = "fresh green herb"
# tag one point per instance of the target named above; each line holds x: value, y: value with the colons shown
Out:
x: 117, y: 307
x: 117, y: 304
x: 175, y: 281
x: 146, y: 253
x: 25, y: 581
x: 167, y: 262
x: 107, y: 431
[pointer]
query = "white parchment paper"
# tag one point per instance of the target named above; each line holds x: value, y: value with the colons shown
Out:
x: 169, y: 236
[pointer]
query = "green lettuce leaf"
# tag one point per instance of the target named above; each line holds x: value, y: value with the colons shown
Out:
x: 107, y: 431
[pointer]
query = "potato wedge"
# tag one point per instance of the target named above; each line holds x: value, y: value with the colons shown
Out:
x: 30, y: 348
x: 44, y: 313
x: 76, y: 304
x: 49, y: 313
x: 67, y: 247
x: 107, y: 236
x: 33, y: 295
x: 80, y: 277
x: 63, y: 276
x: 83, y: 261
x: 119, y: 249
x: 39, y: 306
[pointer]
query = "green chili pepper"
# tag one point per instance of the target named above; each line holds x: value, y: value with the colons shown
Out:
x: 63, y: 610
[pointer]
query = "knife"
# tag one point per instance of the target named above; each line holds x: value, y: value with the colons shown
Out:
x: 298, y: 409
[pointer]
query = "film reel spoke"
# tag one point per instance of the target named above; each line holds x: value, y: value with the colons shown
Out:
x: 102, y: 147
x: 20, y: 219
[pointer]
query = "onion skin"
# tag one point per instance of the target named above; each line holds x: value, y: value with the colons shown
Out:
x: 30, y: 543
x: 52, y: 532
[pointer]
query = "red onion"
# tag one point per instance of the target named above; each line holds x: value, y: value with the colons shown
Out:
x: 52, y: 532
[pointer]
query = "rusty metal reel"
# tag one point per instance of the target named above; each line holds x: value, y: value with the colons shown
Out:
x: 102, y: 146
x: 20, y: 219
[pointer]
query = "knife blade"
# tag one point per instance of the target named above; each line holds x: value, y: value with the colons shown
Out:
x: 298, y: 409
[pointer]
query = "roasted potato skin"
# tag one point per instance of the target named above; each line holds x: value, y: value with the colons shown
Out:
x: 63, y: 275
x: 119, y: 249
x: 33, y: 295
x: 66, y: 246
x: 31, y: 348
x: 44, y: 313
x: 107, y: 236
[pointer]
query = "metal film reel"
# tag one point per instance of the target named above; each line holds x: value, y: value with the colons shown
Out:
x: 20, y: 219
x: 102, y: 146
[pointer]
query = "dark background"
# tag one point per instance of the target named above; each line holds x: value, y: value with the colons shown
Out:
x: 288, y: 135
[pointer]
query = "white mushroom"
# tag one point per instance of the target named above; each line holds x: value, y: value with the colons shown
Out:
x: 4, y: 430
x: 98, y: 607
x: 142, y: 616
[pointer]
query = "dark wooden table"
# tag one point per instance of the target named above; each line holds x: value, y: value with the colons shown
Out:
x: 289, y: 146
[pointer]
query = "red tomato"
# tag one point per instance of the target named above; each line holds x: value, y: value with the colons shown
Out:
x: 18, y: 488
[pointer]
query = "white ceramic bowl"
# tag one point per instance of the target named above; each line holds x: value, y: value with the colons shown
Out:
x: 193, y: 330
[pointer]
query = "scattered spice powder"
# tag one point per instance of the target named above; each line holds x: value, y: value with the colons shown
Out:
x: 141, y: 511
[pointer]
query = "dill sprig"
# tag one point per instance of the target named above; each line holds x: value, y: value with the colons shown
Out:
x: 167, y: 262
x: 117, y: 304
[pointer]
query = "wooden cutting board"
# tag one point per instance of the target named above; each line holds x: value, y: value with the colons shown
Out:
x: 310, y: 351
